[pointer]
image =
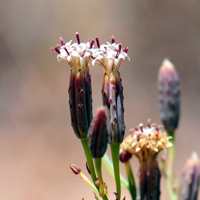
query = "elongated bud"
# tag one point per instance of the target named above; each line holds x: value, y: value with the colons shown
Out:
x: 169, y: 95
x: 80, y: 93
x: 110, y: 56
x: 190, y: 179
x: 97, y: 134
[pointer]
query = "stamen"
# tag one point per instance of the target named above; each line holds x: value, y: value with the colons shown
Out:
x: 77, y: 37
x: 112, y: 39
x: 141, y: 126
x: 57, y: 49
x: 149, y: 123
x: 52, y: 49
x: 120, y: 47
x: 97, y: 41
x: 125, y: 49
x: 92, y: 43
x: 66, y: 51
x: 118, y: 50
x: 62, y: 41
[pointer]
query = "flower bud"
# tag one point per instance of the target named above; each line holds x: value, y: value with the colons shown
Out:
x: 190, y: 179
x: 110, y: 56
x: 77, y: 55
x: 169, y: 95
x: 97, y: 134
x: 124, y: 156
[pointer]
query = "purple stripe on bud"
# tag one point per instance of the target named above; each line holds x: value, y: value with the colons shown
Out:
x: 81, y: 110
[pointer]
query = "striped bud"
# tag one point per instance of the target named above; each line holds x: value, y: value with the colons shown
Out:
x: 190, y: 179
x: 169, y: 95
x: 97, y: 134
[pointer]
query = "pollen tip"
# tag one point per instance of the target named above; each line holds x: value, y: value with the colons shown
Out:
x: 97, y: 41
x: 77, y: 37
x: 112, y: 39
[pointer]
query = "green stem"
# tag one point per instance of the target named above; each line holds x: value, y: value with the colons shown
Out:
x: 100, y: 178
x: 115, y: 159
x: 109, y: 167
x: 170, y: 163
x: 132, y: 187
x: 89, y: 159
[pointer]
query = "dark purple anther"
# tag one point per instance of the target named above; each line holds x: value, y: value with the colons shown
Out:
x: 125, y: 49
x: 141, y: 127
x: 66, y: 51
x: 120, y: 47
x: 91, y: 44
x: 62, y: 41
x: 57, y: 49
x: 78, y: 38
x: 112, y: 39
x: 97, y: 40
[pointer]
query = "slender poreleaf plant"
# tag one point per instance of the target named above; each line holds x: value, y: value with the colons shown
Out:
x: 147, y: 143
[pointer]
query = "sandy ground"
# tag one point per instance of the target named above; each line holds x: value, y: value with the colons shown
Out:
x: 37, y: 143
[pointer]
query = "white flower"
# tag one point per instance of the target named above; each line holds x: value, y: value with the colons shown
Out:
x: 109, y: 56
x: 77, y: 54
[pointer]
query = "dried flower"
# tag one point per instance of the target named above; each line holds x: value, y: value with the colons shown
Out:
x: 169, y: 95
x: 110, y: 56
x: 146, y: 143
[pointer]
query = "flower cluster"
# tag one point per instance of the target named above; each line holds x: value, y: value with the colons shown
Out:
x: 108, y: 127
x: 109, y: 55
x: 146, y: 142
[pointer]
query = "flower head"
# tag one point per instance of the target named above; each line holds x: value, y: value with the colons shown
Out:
x: 109, y: 55
x: 80, y: 91
x: 77, y: 54
x: 146, y: 142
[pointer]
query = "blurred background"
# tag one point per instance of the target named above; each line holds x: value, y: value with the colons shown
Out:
x: 37, y: 143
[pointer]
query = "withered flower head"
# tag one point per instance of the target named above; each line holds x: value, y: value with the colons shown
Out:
x: 146, y: 142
